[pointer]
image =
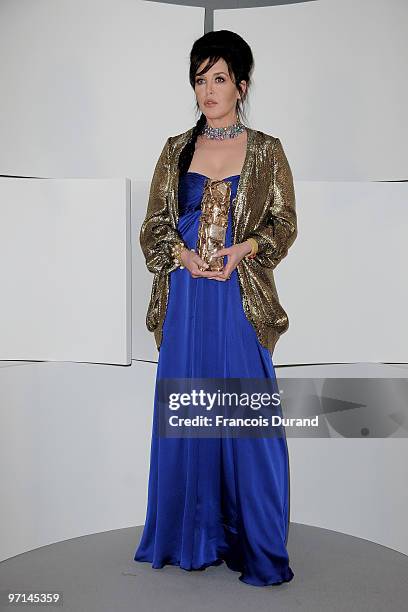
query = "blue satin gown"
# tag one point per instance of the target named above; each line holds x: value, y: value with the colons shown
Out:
x: 214, y: 500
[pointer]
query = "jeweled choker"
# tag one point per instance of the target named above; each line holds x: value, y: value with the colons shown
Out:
x: 220, y: 133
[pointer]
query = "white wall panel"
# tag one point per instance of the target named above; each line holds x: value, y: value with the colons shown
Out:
x: 65, y: 271
x: 330, y: 82
x: 343, y: 281
x: 74, y: 450
x: 92, y: 88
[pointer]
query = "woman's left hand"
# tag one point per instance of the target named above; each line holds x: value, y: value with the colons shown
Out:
x: 235, y: 253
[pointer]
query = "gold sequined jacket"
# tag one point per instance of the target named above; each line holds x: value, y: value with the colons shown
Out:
x: 264, y: 209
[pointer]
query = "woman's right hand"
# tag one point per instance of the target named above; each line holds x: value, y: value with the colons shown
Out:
x: 191, y: 260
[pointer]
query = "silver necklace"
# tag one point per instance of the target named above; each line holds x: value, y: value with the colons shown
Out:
x: 220, y: 133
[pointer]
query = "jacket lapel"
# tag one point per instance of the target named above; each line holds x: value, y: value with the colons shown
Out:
x: 240, y: 198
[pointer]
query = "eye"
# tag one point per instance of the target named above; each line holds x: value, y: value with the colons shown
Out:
x: 201, y: 79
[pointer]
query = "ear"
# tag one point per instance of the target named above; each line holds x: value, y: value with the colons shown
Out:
x: 244, y: 87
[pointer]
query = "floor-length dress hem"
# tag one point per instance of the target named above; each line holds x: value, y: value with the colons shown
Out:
x: 286, y: 576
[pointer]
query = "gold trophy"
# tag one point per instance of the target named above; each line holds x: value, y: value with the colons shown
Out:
x: 213, y: 223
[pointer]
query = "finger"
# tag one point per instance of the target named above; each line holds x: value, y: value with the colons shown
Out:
x: 206, y: 273
x: 197, y: 263
x: 201, y: 263
x: 224, y: 251
x: 226, y: 273
x: 198, y: 272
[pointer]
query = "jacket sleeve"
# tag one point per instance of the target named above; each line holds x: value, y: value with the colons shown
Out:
x: 157, y: 233
x: 278, y: 233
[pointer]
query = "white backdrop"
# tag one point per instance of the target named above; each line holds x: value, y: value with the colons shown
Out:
x: 91, y: 90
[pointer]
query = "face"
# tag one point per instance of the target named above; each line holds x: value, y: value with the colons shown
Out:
x: 216, y: 85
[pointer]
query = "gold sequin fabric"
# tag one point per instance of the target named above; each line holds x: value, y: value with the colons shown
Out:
x: 264, y: 209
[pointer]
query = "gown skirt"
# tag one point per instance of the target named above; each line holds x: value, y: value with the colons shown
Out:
x: 214, y: 500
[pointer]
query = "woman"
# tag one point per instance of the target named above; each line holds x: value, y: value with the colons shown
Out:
x: 212, y: 500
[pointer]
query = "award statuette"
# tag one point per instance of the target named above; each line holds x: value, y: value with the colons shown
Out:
x: 213, y: 222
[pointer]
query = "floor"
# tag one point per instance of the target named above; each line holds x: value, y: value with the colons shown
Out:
x: 97, y: 573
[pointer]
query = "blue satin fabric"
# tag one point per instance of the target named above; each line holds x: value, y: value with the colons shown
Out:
x: 212, y: 500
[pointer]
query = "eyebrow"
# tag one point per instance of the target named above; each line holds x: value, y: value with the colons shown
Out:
x: 215, y: 74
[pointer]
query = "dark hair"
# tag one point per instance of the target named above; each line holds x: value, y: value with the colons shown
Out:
x: 238, y: 56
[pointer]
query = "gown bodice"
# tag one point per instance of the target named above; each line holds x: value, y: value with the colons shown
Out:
x: 190, y: 194
x: 191, y: 187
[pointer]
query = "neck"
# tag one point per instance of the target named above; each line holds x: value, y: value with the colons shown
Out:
x: 223, y: 122
x: 220, y: 133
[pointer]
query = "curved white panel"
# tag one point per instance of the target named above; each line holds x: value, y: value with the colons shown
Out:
x: 75, y: 447
x: 330, y: 81
x: 92, y: 90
